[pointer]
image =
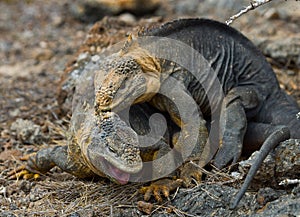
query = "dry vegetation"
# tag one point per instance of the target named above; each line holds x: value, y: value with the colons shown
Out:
x: 37, y: 41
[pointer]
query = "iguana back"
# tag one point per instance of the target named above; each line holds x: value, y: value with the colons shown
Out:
x: 237, y: 62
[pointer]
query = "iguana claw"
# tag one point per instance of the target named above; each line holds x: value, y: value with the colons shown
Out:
x: 190, y: 173
x: 159, y: 188
x: 23, y: 171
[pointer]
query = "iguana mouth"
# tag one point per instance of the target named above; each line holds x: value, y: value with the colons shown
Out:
x: 118, y: 175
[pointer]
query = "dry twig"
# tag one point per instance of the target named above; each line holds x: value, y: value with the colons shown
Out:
x: 286, y: 182
x: 253, y: 4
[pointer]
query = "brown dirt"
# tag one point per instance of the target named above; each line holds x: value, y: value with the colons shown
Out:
x: 38, y: 39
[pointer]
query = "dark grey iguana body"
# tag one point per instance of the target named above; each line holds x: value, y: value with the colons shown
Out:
x: 246, y: 77
x: 238, y: 63
x: 253, y: 102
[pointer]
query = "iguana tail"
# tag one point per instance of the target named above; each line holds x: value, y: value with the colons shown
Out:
x: 279, y: 134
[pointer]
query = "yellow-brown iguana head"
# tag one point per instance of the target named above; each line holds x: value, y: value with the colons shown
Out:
x: 133, y: 78
x: 110, y: 148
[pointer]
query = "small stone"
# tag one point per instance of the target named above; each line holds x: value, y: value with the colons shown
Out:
x: 82, y: 57
x: 27, y: 131
x: 127, y: 18
x: 43, y: 44
x: 95, y: 58
x: 75, y: 214
x: 41, y: 54
x: 265, y: 195
x: 6, y: 214
x: 283, y: 51
x: 266, y: 173
x: 290, y: 72
x: 288, y: 159
x: 14, y: 112
x: 283, y: 163
x: 236, y: 175
x: 33, y: 198
x: 272, y: 13
x: 57, y: 20
x: 13, y: 206
x: 187, y: 7
x: 25, y: 186
x: 145, y: 207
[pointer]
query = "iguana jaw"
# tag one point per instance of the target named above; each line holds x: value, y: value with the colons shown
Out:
x: 118, y: 175
x: 111, y: 148
x: 122, y: 173
x: 113, y: 169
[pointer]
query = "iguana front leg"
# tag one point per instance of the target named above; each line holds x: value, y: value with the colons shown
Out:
x: 240, y: 103
x: 163, y: 165
x: 186, y: 114
x: 45, y: 159
x: 233, y: 123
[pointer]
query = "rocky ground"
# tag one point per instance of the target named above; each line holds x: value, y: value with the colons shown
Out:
x: 40, y: 38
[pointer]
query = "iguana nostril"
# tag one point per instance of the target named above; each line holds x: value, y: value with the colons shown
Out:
x: 106, y: 101
x: 112, y: 149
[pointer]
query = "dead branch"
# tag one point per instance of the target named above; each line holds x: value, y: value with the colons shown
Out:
x: 253, y: 4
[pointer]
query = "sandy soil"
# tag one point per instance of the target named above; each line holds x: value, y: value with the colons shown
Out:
x: 38, y: 38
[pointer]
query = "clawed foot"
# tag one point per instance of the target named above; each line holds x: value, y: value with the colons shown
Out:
x: 160, y: 188
x: 22, y: 172
x: 190, y: 173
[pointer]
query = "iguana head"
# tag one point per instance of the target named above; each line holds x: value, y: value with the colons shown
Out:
x: 134, y: 77
x: 111, y: 148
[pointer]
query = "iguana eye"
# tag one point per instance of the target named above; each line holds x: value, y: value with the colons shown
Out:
x: 111, y: 149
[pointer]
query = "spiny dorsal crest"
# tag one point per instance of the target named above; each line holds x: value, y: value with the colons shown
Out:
x: 127, y: 44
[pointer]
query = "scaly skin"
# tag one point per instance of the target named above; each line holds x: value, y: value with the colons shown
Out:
x: 108, y: 146
x: 252, y: 96
x: 102, y: 144
x: 100, y: 148
x: 105, y: 146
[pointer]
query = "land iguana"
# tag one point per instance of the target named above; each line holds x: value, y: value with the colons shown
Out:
x: 90, y: 150
x: 105, y: 145
x: 254, y: 111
